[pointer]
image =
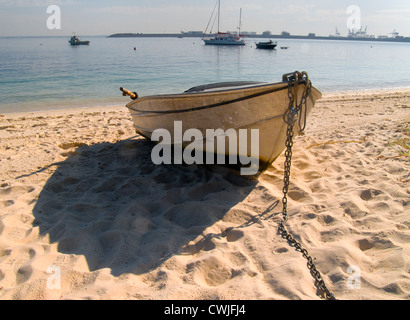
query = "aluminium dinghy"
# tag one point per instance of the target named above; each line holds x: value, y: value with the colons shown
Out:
x: 224, y: 110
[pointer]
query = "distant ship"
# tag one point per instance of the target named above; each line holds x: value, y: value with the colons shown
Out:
x: 74, y: 41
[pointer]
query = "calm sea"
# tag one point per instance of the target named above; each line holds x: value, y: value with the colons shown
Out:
x: 39, y: 73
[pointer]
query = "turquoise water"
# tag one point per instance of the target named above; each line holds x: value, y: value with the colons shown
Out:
x: 40, y: 73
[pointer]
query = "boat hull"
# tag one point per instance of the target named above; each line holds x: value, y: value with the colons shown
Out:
x: 266, y: 46
x: 80, y: 43
x: 74, y: 41
x: 260, y: 107
x: 224, y: 42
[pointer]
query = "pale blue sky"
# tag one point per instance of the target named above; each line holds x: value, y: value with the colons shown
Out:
x: 93, y: 17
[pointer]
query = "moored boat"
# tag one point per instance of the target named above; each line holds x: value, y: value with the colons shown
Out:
x: 225, y: 38
x: 229, y: 107
x: 270, y: 45
x: 75, y: 41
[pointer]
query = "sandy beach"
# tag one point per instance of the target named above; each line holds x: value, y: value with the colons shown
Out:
x: 85, y: 214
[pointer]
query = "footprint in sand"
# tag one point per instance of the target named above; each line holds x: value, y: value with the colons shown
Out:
x: 233, y: 235
x: 281, y: 250
x: 369, y: 194
x: 210, y: 271
x: 23, y: 274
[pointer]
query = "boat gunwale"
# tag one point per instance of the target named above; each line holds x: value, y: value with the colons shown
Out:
x: 213, y: 93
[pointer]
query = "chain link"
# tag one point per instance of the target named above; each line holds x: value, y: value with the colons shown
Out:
x: 290, y: 118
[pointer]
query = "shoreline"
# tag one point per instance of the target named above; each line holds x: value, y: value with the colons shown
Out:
x: 310, y: 36
x: 330, y: 93
x: 399, y: 39
x: 85, y: 214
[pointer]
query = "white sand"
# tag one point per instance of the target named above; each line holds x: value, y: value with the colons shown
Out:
x: 85, y: 214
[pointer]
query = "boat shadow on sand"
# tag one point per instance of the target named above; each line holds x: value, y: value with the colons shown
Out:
x: 111, y: 204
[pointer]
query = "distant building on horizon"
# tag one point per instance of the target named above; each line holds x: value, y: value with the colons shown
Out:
x: 245, y: 33
x: 193, y: 33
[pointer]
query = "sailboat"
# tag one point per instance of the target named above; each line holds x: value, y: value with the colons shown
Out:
x: 226, y: 38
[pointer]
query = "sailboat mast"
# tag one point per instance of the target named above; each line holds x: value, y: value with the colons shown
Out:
x: 240, y: 22
x: 219, y: 13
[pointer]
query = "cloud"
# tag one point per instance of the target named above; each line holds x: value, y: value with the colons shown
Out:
x: 34, y: 3
x: 163, y: 9
x: 394, y: 14
x: 295, y: 16
x: 152, y: 19
x: 394, y: 11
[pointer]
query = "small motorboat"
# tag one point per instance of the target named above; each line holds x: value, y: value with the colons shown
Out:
x: 270, y: 45
x: 75, y: 41
x: 227, y: 108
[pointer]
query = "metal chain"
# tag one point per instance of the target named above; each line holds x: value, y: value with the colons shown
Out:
x: 290, y: 118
